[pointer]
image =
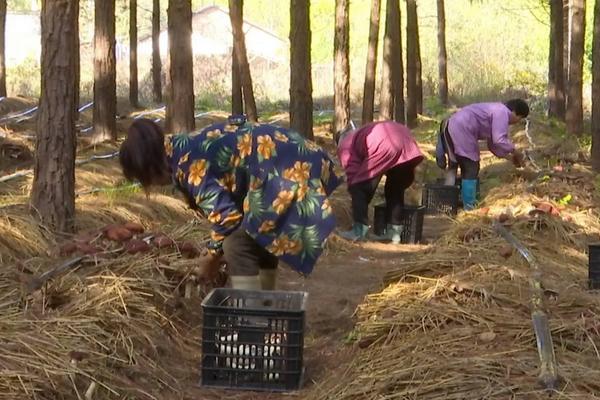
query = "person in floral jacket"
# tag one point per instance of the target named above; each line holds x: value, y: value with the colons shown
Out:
x: 263, y: 188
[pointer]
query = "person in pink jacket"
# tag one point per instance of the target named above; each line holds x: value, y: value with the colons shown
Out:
x: 366, y: 154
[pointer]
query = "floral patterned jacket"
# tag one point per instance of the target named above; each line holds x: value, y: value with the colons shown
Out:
x: 264, y: 179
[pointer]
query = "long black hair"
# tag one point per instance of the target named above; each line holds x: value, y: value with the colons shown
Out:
x: 142, y: 154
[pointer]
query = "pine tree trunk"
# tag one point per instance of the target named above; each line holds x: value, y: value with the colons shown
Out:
x: 133, y: 63
x: 77, y: 55
x: 53, y: 190
x: 2, y: 48
x: 180, y: 104
x: 105, y: 73
x: 411, y: 63
x: 301, y: 103
x: 566, y: 44
x: 574, y: 114
x: 556, y: 82
x: 386, y: 95
x: 341, y: 66
x: 236, y: 16
x: 419, y: 65
x: 156, y: 62
x: 596, y: 90
x: 371, y: 68
x: 398, y: 65
x: 442, y: 54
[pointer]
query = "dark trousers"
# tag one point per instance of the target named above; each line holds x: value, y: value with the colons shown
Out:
x: 469, y: 169
x: 244, y: 256
x: 398, y: 179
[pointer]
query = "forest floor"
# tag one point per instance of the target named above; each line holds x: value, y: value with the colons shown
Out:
x: 108, y: 302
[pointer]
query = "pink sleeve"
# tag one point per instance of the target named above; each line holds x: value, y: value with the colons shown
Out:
x: 500, y: 144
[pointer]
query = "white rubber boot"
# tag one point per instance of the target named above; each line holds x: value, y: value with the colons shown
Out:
x: 251, y: 282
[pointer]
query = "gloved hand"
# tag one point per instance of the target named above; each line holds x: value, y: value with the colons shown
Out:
x: 518, y: 158
x: 209, y: 266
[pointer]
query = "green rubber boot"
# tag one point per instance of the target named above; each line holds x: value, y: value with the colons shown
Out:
x: 357, y: 233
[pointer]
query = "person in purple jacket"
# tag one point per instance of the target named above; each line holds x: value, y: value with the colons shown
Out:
x: 459, y: 136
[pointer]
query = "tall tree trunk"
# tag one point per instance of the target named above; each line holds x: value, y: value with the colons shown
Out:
x: 371, y: 68
x: 566, y: 44
x: 301, y: 103
x: 53, y: 190
x: 386, y: 95
x: 341, y: 66
x: 105, y: 72
x: 556, y: 82
x: 2, y: 48
x: 398, y: 64
x: 419, y: 65
x: 237, y: 99
x: 156, y: 62
x: 180, y: 105
x: 133, y: 64
x: 236, y: 16
x: 596, y: 90
x: 411, y: 63
x: 77, y: 55
x: 442, y: 54
x: 574, y: 115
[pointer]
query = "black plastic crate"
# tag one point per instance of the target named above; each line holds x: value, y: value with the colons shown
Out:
x: 412, y: 222
x: 253, y: 339
x: 594, y: 266
x: 440, y: 199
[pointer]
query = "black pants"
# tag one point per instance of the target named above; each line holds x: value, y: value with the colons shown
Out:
x: 398, y: 179
x: 469, y: 169
x: 244, y: 256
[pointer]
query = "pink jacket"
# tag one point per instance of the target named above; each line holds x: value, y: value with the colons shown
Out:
x: 375, y: 148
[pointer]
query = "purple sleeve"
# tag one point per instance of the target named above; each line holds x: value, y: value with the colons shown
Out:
x: 499, y: 143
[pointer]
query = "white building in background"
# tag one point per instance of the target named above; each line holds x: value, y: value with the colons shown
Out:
x: 211, y: 36
x: 23, y: 37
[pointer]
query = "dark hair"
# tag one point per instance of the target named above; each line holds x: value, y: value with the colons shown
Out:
x: 142, y: 154
x: 519, y: 106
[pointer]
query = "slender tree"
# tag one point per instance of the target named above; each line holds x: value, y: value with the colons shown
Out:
x: 2, y: 48
x: 556, y: 81
x: 105, y: 72
x: 77, y: 55
x: 301, y: 103
x: 133, y: 63
x: 371, y: 68
x: 236, y: 16
x: 411, y: 63
x: 574, y: 112
x: 419, y: 63
x: 386, y: 95
x: 341, y: 66
x: 398, y: 66
x: 566, y: 42
x: 237, y: 99
x: 596, y: 90
x: 53, y: 190
x: 180, y: 105
x: 442, y: 54
x: 156, y: 63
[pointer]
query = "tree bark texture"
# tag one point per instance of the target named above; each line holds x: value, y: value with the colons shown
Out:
x: 596, y: 90
x: 371, y: 68
x: 2, y: 48
x: 386, y: 95
x: 236, y: 15
x: 566, y: 42
x: 574, y: 112
x: 398, y: 65
x: 556, y: 81
x: 53, y: 190
x: 301, y: 103
x: 411, y: 63
x: 156, y: 62
x: 419, y: 64
x: 180, y: 106
x: 341, y: 66
x: 133, y: 62
x: 105, y: 72
x: 442, y: 53
x: 237, y: 99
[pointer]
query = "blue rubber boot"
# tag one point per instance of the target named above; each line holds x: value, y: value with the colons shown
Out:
x: 469, y: 193
x: 358, y: 232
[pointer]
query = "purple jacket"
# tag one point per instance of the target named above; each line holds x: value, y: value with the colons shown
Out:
x: 482, y: 121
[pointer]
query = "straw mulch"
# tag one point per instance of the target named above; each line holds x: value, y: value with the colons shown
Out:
x: 455, y: 322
